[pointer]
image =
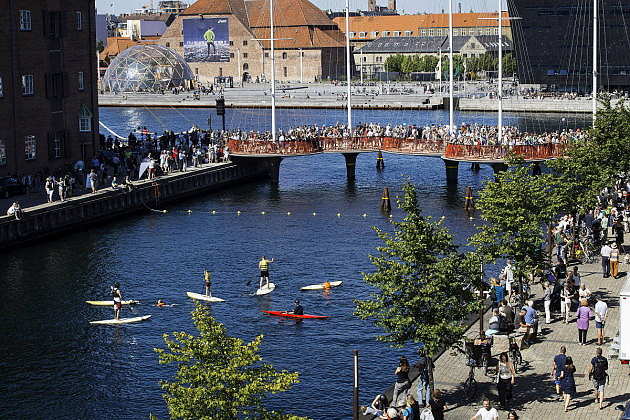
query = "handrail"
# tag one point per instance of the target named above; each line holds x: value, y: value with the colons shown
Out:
x: 393, y: 145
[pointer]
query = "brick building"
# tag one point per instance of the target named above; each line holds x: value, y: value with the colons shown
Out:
x: 312, y: 47
x: 48, y: 100
x: 364, y: 29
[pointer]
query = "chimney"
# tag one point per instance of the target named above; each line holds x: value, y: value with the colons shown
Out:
x: 392, y: 5
x: 372, y: 5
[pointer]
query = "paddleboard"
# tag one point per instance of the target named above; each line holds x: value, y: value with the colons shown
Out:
x: 321, y: 286
x: 266, y: 289
x: 205, y: 298
x: 291, y: 315
x: 121, y: 320
x: 110, y: 302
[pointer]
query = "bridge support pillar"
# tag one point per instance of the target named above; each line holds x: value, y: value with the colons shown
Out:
x: 351, y: 162
x: 273, y: 169
x: 380, y: 162
x: 475, y: 167
x: 499, y: 167
x: 452, y: 170
x: 536, y: 169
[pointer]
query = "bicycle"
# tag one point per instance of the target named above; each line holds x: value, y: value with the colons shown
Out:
x: 515, y: 353
x: 470, y: 384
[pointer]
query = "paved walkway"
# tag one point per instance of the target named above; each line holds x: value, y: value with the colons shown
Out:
x: 534, y: 392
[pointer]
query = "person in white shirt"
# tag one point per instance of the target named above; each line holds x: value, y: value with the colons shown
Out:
x: 15, y: 210
x: 508, y: 274
x: 601, y: 311
x: 487, y: 412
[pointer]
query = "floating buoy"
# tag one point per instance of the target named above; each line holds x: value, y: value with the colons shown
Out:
x: 262, y: 212
x: 364, y: 215
x: 238, y: 212
x: 189, y: 211
x: 214, y: 212
x: 338, y: 214
x: 288, y: 213
x: 164, y: 211
x: 314, y: 214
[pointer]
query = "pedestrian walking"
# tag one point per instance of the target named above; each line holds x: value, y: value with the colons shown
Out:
x: 437, y: 405
x: 605, y: 253
x: 93, y: 180
x: 487, y: 412
x: 567, y: 382
x: 506, y: 376
x: 599, y: 375
x: 424, y: 389
x: 547, y: 301
x: 565, y: 301
x: 584, y: 314
x: 512, y: 415
x: 49, y: 186
x: 601, y: 312
x: 614, y: 261
x: 559, y: 361
x: 402, y: 381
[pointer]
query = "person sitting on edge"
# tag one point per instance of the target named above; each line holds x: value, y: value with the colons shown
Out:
x: 378, y: 406
x: 115, y: 184
x: 297, y: 308
x: 15, y: 210
x: 494, y: 323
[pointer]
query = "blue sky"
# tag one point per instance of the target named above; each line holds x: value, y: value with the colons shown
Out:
x: 409, y: 6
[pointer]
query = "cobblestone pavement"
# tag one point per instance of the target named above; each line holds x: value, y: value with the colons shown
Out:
x: 534, y: 395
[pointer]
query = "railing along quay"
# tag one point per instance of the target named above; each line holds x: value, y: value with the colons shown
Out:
x: 461, y: 152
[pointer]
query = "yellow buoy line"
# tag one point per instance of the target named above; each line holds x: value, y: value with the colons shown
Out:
x: 337, y: 215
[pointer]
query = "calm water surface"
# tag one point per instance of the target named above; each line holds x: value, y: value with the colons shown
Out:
x: 55, y: 365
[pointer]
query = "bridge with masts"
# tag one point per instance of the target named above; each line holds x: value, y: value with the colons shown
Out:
x: 451, y: 154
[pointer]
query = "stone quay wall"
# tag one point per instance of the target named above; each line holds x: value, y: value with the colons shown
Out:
x: 46, y: 220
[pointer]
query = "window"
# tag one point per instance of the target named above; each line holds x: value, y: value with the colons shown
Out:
x: 220, y: 71
x: 78, y: 17
x: 81, y: 81
x: 351, y: 34
x: 27, y: 84
x: 284, y: 56
x: 397, y: 33
x: 85, y: 120
x: 362, y: 34
x: 386, y: 33
x: 30, y: 147
x: 3, y: 153
x: 196, y: 70
x: 407, y: 33
x: 25, y: 20
x: 244, y: 55
x: 181, y: 44
x: 1, y: 88
x: 56, y: 146
x: 231, y: 55
x: 266, y: 55
x: 168, y: 45
x: 231, y: 43
x: 245, y: 66
x: 244, y: 43
x: 286, y: 71
x: 374, y: 34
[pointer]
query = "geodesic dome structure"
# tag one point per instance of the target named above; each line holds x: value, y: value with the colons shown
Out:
x: 146, y: 68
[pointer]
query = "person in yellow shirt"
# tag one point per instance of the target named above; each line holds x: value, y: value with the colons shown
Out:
x: 327, y: 285
x: 263, y: 265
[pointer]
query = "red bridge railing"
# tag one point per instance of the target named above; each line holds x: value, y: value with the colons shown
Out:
x: 394, y: 145
x: 485, y: 152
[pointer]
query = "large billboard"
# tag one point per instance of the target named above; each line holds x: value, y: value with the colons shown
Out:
x: 206, y: 40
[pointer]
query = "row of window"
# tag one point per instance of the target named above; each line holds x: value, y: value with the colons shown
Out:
x: 429, y: 32
x: 28, y: 85
x: 26, y: 20
x: 56, y: 144
x: 285, y: 70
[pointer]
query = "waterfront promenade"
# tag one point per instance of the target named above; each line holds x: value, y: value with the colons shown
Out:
x: 534, y: 395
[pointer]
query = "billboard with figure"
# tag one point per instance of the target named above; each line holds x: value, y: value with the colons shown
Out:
x: 206, y: 40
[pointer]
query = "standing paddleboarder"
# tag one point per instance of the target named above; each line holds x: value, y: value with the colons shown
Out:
x: 207, y: 280
x: 263, y: 265
x: 117, y: 296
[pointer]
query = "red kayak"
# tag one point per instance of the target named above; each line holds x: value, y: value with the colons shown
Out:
x: 291, y: 315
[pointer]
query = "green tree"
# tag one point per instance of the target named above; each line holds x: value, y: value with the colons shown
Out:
x: 424, y: 287
x: 516, y: 207
x: 218, y: 376
x: 394, y: 63
x: 509, y: 65
x: 407, y: 65
x: 429, y: 63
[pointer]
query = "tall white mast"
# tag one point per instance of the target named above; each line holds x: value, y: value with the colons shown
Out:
x: 595, y: 30
x: 348, y: 73
x: 450, y: 68
x: 273, y: 74
x: 500, y: 87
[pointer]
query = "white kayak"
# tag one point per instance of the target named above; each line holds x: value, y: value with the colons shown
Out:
x: 199, y: 296
x: 265, y: 289
x: 121, y: 320
x: 321, y: 286
x: 110, y: 302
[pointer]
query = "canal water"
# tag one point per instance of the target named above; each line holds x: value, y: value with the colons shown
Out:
x: 55, y: 365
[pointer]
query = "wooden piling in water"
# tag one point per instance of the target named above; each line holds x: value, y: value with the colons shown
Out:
x: 469, y: 204
x: 386, y: 204
x: 380, y: 162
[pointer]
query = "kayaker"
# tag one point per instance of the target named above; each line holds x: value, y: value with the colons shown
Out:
x: 263, y: 265
x: 327, y: 285
x: 207, y: 280
x: 160, y: 303
x: 117, y: 296
x: 298, y: 309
